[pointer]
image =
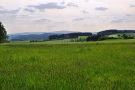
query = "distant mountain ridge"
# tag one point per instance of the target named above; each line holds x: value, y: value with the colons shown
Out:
x: 28, y: 33
x: 35, y: 35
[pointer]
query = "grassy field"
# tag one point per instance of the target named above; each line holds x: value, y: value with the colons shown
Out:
x: 66, y: 41
x: 107, y: 65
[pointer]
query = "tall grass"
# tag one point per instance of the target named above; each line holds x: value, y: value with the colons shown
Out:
x: 93, y: 66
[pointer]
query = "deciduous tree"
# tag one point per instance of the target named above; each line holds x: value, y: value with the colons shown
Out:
x: 3, y: 33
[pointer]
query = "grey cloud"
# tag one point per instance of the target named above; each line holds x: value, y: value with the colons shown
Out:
x: 29, y: 10
x: 41, y: 20
x: 51, y: 5
x: 88, y: 25
x: 1, y: 7
x: 50, y: 26
x: 72, y: 4
x: 117, y: 20
x: 23, y: 16
x: 61, y: 22
x: 84, y: 12
x: 4, y: 11
x: 125, y: 18
x: 132, y: 5
x: 62, y: 3
x: 86, y: 0
x: 101, y: 8
x: 130, y: 15
x: 78, y: 19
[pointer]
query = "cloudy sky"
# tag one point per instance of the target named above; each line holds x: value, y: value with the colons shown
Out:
x: 73, y: 15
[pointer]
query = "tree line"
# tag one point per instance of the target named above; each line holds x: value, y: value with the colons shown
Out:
x: 68, y: 36
x: 114, y: 31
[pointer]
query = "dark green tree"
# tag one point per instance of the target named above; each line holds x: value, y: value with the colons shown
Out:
x: 125, y: 36
x: 3, y: 33
x: 94, y: 38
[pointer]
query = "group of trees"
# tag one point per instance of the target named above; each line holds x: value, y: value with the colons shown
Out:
x: 3, y: 33
x: 95, y: 38
x: 127, y: 37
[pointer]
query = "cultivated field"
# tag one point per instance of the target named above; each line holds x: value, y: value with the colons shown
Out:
x: 106, y: 65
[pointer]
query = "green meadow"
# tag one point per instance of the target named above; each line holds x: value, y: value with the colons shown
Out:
x: 103, y: 65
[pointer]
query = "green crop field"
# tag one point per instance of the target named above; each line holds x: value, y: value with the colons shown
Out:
x: 114, y: 35
x: 107, y: 65
x: 82, y: 37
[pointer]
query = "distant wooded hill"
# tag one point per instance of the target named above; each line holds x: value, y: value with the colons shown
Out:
x: 68, y: 36
x: 114, y: 31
